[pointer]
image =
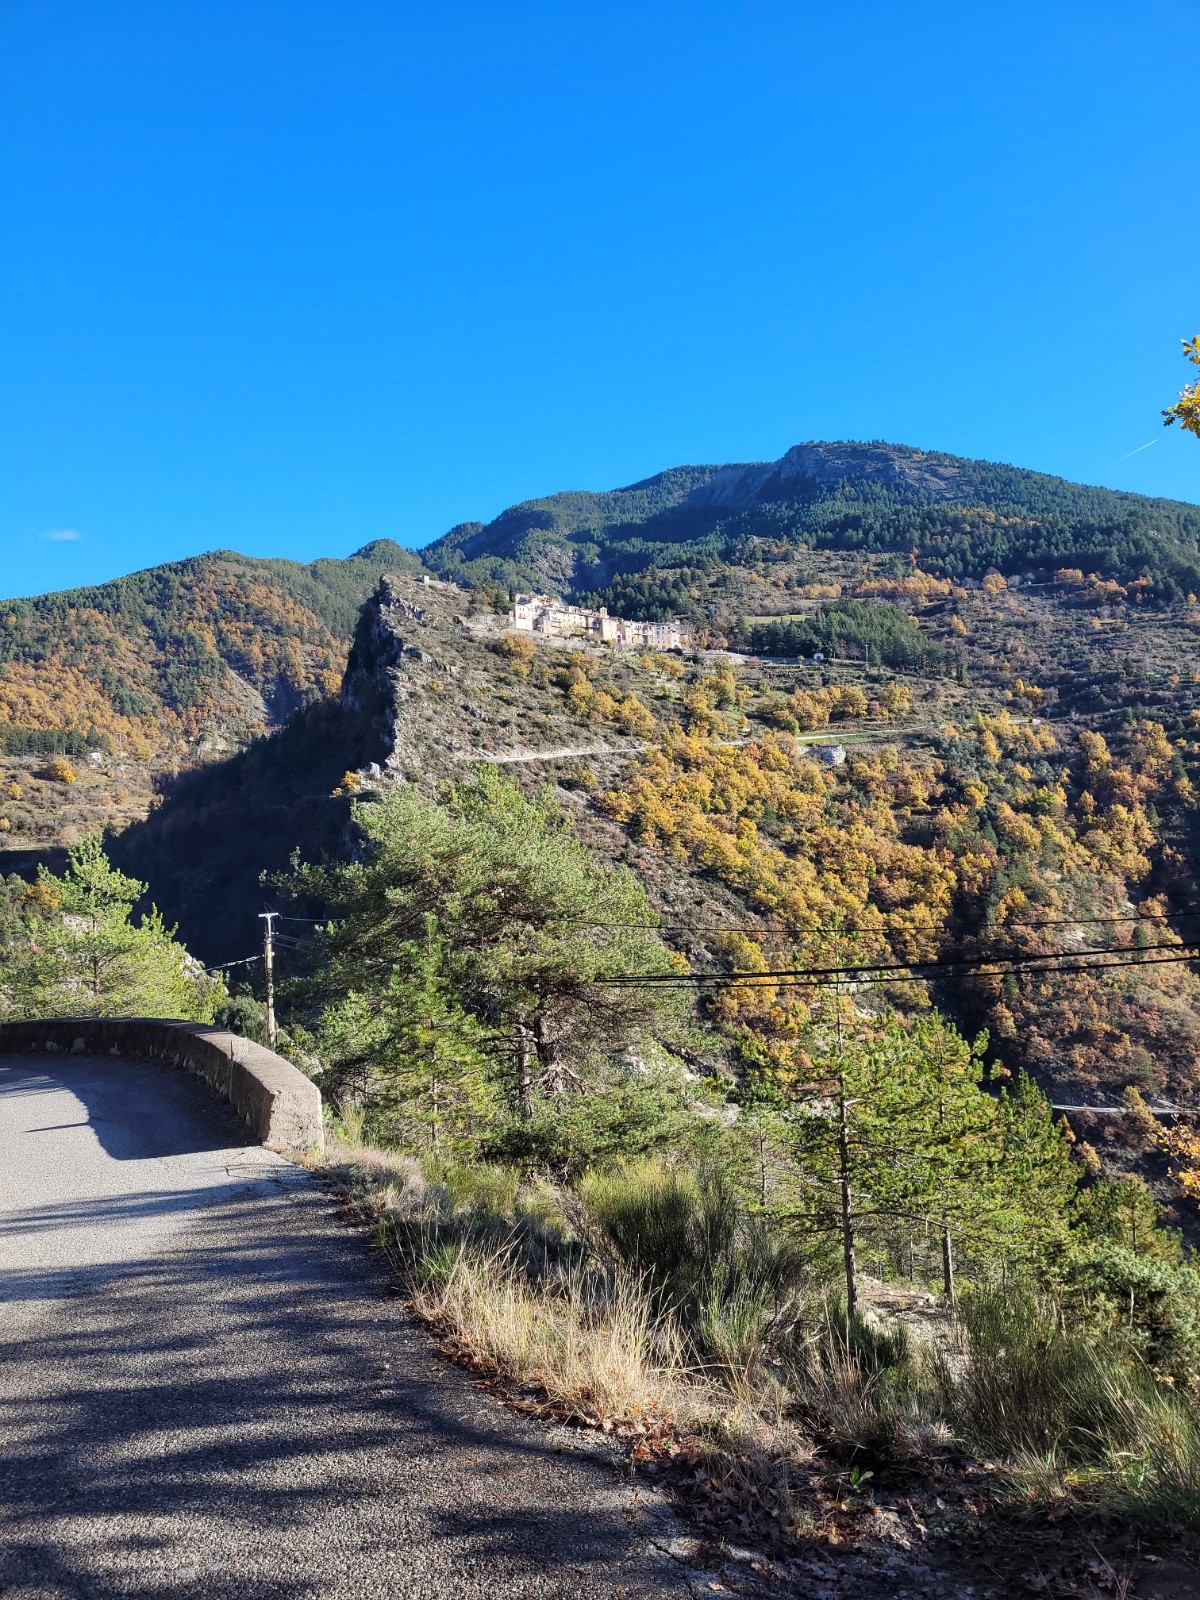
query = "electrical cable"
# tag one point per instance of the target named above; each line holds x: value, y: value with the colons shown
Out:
x: 802, y: 929
x: 920, y: 972
x: 937, y: 964
x: 223, y: 966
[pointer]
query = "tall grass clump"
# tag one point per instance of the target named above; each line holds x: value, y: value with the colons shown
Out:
x: 863, y: 1389
x: 1025, y: 1386
x: 595, y: 1350
x: 655, y: 1296
x: 734, y: 1285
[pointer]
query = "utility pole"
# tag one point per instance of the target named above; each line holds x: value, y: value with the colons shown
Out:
x: 267, y: 918
x: 848, y: 1261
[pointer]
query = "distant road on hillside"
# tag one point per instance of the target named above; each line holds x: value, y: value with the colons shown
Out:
x: 1123, y: 1111
x: 842, y: 734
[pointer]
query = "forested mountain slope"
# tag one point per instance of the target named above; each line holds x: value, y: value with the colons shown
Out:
x: 966, y: 818
x: 961, y: 518
x: 158, y: 672
x: 870, y: 552
x: 911, y: 829
x: 194, y: 655
x: 212, y: 646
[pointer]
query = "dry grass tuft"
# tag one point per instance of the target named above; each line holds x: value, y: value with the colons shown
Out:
x: 595, y: 1358
x: 648, y: 1304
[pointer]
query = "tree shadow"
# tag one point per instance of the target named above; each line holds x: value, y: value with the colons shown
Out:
x: 254, y: 1397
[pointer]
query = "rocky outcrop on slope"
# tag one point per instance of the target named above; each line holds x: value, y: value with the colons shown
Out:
x: 911, y: 472
x: 425, y: 671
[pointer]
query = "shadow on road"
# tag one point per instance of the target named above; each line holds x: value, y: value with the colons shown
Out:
x: 137, y: 1110
x: 252, y: 1414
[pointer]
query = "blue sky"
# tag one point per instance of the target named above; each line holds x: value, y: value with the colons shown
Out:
x: 288, y: 275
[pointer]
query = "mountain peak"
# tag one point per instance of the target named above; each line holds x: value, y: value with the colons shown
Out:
x: 843, y: 494
x: 817, y: 463
x: 932, y: 476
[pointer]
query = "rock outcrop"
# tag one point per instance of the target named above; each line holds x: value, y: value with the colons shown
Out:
x: 425, y: 675
x: 912, y: 472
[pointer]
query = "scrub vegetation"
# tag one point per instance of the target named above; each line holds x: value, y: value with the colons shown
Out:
x: 692, y: 1024
x: 690, y: 1223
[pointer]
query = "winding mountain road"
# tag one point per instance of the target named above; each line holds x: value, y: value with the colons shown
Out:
x: 205, y: 1391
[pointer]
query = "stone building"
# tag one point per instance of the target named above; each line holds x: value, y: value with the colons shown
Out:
x: 541, y: 613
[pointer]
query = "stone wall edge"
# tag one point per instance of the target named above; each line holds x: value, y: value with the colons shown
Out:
x: 280, y: 1106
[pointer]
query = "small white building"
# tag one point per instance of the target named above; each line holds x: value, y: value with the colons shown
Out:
x: 832, y: 755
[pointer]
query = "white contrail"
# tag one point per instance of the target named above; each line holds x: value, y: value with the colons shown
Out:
x: 1138, y: 451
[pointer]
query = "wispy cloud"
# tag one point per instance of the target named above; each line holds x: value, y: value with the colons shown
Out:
x: 62, y: 535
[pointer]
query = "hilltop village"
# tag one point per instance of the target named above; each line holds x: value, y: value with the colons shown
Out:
x: 541, y: 613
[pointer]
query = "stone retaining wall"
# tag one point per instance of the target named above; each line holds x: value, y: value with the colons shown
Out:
x: 280, y: 1106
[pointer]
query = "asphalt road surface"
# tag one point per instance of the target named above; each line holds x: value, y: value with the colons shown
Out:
x: 205, y: 1390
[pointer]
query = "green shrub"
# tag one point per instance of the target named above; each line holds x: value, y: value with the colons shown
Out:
x: 633, y: 1117
x: 778, y: 714
x: 1031, y: 1382
x: 860, y: 1388
x: 1150, y: 1303
x: 483, y: 1188
x: 1057, y: 1401
x: 733, y: 1281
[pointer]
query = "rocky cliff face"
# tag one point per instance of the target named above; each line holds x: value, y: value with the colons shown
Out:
x: 927, y: 477
x: 426, y: 673
x: 404, y: 648
x: 378, y: 651
x: 912, y: 472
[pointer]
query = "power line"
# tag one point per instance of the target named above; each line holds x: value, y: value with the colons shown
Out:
x: 937, y: 964
x: 872, y: 928
x: 911, y: 972
x: 879, y: 931
x: 1057, y: 970
x: 946, y: 964
x: 818, y: 927
x: 223, y: 966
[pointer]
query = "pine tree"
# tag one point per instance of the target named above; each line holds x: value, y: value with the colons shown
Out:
x: 419, y: 1058
x: 1040, y: 1178
x: 861, y: 1134
x: 74, y: 949
x: 533, y: 936
x: 894, y: 1128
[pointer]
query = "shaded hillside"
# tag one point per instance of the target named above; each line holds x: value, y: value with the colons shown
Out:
x: 204, y: 849
x: 961, y: 518
x: 193, y: 653
x: 429, y: 687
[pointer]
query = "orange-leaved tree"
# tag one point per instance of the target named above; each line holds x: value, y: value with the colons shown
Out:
x: 1182, y: 1144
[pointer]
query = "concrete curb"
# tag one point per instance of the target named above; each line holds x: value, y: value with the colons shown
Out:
x: 280, y: 1106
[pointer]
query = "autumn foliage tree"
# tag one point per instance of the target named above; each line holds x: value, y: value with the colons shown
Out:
x: 1186, y: 410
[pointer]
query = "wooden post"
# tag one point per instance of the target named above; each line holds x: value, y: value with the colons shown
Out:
x: 267, y: 918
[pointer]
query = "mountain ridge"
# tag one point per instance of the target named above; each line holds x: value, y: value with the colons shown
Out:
x: 176, y: 664
x: 837, y: 495
x: 926, y: 477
